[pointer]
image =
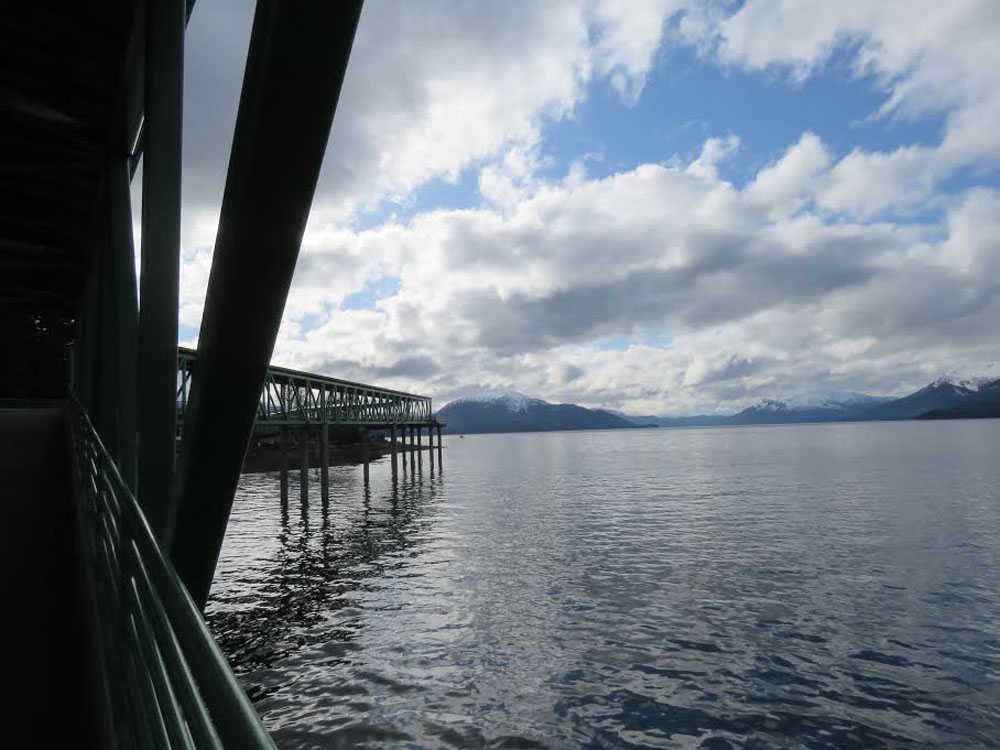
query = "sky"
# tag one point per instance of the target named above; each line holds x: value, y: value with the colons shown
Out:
x: 659, y: 206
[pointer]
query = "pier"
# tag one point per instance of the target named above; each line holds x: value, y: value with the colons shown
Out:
x: 297, y: 409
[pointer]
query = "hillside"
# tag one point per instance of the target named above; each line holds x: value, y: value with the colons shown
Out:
x: 942, y: 399
x: 941, y: 395
x: 514, y: 412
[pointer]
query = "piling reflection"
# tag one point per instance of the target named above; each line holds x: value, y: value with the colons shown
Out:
x: 325, y: 552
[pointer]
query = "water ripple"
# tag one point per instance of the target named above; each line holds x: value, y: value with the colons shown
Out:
x: 812, y: 586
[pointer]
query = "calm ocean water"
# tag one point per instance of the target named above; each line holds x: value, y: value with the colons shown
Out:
x: 789, y: 586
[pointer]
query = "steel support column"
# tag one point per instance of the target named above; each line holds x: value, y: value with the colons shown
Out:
x: 295, y: 68
x: 430, y: 445
x: 420, y: 450
x: 440, y: 457
x: 126, y: 315
x: 160, y: 272
x: 413, y: 453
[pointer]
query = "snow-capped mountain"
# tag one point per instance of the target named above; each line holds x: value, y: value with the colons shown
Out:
x: 827, y: 407
x: 941, y: 394
x: 515, y: 412
x: 511, y: 400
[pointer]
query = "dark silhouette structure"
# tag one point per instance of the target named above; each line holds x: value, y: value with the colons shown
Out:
x: 113, y: 536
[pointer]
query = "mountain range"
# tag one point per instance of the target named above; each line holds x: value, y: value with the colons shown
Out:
x: 515, y: 412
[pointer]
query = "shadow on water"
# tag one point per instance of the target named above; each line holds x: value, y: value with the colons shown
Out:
x: 326, y: 551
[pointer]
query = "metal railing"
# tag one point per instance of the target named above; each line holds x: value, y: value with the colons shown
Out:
x: 292, y: 397
x: 163, y: 682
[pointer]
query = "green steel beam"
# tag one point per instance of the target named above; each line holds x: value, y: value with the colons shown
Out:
x: 160, y: 270
x: 295, y: 68
x: 126, y: 315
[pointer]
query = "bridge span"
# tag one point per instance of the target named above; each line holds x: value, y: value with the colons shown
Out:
x: 299, y: 408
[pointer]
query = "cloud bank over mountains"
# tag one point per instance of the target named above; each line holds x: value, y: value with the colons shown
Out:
x: 452, y: 247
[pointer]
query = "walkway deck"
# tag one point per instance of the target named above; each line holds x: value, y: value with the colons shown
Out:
x: 44, y: 650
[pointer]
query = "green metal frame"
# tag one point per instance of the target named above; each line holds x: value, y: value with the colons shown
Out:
x: 164, y: 683
x: 292, y: 397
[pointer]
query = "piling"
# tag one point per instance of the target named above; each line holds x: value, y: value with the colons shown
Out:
x: 283, y: 442
x: 413, y: 453
x: 440, y: 457
x: 420, y: 453
x: 364, y: 452
x: 430, y: 445
x: 324, y: 462
x: 304, y: 472
x: 392, y: 445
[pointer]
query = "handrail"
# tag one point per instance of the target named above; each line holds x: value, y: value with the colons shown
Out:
x: 163, y: 679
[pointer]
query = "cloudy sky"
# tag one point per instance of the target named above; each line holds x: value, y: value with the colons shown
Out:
x: 659, y: 206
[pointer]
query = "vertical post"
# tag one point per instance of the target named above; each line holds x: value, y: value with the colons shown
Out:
x: 402, y: 446
x: 440, y: 457
x: 126, y: 315
x: 304, y: 466
x: 420, y: 451
x: 324, y: 460
x: 413, y: 453
x: 392, y: 448
x: 294, y: 71
x: 161, y: 240
x: 364, y: 452
x: 430, y: 445
x: 284, y: 465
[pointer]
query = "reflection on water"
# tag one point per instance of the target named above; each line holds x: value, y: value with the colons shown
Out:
x: 804, y: 586
x: 321, y: 556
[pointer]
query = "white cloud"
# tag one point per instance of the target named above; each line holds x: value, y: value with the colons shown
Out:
x: 796, y: 280
x: 756, y: 301
x: 928, y: 57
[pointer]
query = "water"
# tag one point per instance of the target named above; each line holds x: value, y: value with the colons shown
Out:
x: 787, y: 586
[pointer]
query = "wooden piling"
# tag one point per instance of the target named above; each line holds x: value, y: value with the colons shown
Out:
x: 283, y: 442
x: 304, y: 471
x: 324, y: 460
x: 364, y: 452
x: 392, y: 444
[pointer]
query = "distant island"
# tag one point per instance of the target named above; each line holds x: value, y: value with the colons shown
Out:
x: 514, y: 412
